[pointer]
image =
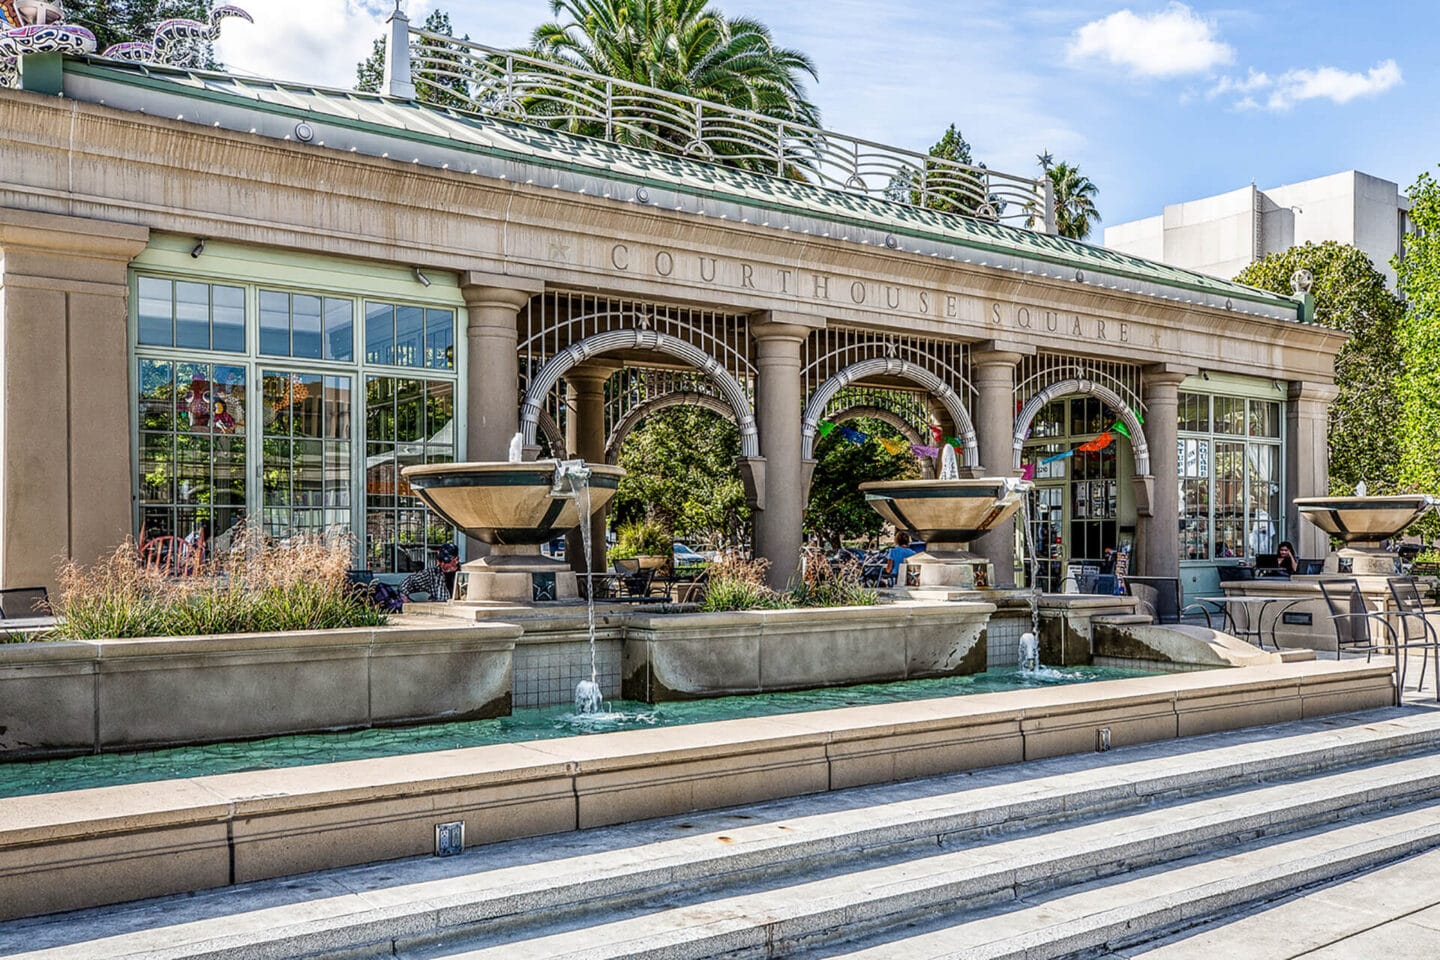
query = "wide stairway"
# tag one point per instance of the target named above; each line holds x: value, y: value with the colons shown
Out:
x: 1090, y: 855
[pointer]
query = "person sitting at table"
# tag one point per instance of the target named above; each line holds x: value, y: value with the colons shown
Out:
x: 1285, y: 558
x: 896, y: 556
x: 437, y: 581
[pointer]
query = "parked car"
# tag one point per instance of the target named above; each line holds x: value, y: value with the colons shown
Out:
x: 686, y: 556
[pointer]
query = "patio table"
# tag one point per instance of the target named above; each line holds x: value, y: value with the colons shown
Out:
x: 1254, y: 629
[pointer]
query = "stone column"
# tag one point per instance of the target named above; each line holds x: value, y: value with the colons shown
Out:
x: 1157, y: 498
x: 492, y: 374
x: 992, y: 371
x: 585, y: 438
x: 1307, y: 462
x: 66, y: 393
x: 779, y: 405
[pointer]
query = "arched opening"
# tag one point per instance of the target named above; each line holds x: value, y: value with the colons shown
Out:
x: 648, y: 408
x: 1083, y: 511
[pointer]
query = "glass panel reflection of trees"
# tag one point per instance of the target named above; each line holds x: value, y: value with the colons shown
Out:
x: 302, y: 430
x: 1228, y: 455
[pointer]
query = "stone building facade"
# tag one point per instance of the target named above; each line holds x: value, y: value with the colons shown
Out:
x: 224, y: 298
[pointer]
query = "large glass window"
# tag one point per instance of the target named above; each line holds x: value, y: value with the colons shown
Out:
x: 313, y: 409
x: 196, y: 316
x: 1228, y: 460
x: 408, y: 421
x: 191, y: 449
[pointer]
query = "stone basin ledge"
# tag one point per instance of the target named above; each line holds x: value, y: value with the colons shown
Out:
x: 66, y: 698
x: 696, y: 655
x: 107, y: 845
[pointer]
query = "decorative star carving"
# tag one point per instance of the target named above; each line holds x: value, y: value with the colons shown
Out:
x: 560, y: 250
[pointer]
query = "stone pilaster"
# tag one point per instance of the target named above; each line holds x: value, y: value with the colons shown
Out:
x: 492, y: 375
x: 66, y: 469
x: 992, y: 371
x: 1307, y: 461
x: 1157, y: 535
x: 779, y: 402
x: 585, y: 438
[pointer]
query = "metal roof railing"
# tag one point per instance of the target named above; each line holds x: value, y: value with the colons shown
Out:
x: 489, y: 81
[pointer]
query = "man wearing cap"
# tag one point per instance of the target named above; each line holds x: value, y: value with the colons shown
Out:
x: 437, y: 581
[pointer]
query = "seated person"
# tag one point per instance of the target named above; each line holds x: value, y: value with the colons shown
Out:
x: 896, y: 556
x: 437, y: 581
x: 1285, y: 558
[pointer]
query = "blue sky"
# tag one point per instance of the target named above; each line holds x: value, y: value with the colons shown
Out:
x: 1157, y: 102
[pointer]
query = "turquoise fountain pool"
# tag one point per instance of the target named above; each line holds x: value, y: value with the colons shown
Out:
x: 111, y: 769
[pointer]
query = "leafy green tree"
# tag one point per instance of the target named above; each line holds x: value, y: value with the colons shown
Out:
x: 680, y: 469
x: 837, y: 510
x: 1075, y: 212
x: 124, y: 21
x: 947, y: 189
x: 442, y: 90
x: 1418, y: 270
x: 1351, y: 296
x: 681, y: 46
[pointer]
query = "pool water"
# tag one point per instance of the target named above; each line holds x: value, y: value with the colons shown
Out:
x: 110, y: 769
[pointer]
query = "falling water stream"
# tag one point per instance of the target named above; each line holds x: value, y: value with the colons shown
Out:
x: 1030, y: 642
x: 588, y: 698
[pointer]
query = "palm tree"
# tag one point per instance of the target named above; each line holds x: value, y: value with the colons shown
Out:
x: 680, y: 46
x: 1075, y: 211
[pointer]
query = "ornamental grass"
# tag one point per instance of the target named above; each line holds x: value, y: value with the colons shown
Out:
x: 256, y: 585
x: 738, y: 584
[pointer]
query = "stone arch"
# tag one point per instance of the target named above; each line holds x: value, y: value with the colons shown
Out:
x: 621, y: 430
x: 1071, y: 388
x: 639, y: 339
x: 551, y: 430
x: 889, y: 366
x: 907, y: 429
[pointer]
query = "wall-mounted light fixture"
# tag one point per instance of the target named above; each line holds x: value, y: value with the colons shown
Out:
x: 198, y: 249
x: 421, y: 278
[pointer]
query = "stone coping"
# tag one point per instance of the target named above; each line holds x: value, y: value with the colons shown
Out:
x: 44, y: 817
x: 90, y: 847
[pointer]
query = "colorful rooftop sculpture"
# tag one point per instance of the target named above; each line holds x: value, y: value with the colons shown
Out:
x: 38, y: 26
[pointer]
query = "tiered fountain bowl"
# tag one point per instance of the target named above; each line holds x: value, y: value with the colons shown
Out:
x: 514, y: 507
x: 947, y: 515
x: 1362, y: 523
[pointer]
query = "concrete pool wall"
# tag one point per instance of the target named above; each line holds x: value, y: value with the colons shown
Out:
x: 128, y: 842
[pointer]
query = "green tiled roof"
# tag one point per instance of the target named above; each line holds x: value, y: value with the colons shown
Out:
x: 504, y: 139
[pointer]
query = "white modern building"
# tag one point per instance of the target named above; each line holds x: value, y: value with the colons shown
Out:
x: 1223, y: 234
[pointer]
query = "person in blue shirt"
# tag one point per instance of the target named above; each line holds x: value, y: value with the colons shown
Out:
x: 896, y: 556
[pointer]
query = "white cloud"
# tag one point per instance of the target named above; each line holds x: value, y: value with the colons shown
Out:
x: 1168, y: 43
x: 1333, y: 84
x: 1320, y: 83
x: 308, y: 41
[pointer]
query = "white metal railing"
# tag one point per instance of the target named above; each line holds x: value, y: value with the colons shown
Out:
x: 490, y: 81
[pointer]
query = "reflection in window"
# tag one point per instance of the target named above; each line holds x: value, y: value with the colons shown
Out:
x: 407, y: 421
x: 191, y: 449
x: 408, y: 336
x: 1230, y: 482
x: 198, y: 316
x: 306, y: 453
x: 306, y: 326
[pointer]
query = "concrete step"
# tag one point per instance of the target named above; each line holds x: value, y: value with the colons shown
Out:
x: 767, y: 921
x: 746, y: 877
x: 1118, y: 915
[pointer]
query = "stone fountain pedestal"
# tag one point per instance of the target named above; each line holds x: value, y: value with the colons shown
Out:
x: 947, y: 566
x: 514, y: 507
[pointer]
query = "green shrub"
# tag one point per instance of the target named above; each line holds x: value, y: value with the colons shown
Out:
x: 642, y: 538
x: 259, y: 586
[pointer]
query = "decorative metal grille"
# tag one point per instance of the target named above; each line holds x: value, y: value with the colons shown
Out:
x: 831, y: 350
x: 1040, y: 371
x: 488, y: 80
x: 555, y: 323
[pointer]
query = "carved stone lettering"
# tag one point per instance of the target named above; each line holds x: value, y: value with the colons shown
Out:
x: 664, y: 263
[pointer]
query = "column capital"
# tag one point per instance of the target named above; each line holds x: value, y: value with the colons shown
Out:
x: 592, y: 374
x: 497, y: 290
x: 1167, y: 374
x: 1312, y: 390
x: 998, y: 353
x: 76, y: 236
x: 784, y: 325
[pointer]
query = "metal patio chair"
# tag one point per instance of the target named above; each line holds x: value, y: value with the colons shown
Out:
x: 1415, y: 630
x: 1356, y: 624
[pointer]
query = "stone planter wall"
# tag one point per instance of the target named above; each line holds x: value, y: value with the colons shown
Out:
x: 84, y: 697
x: 692, y: 656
